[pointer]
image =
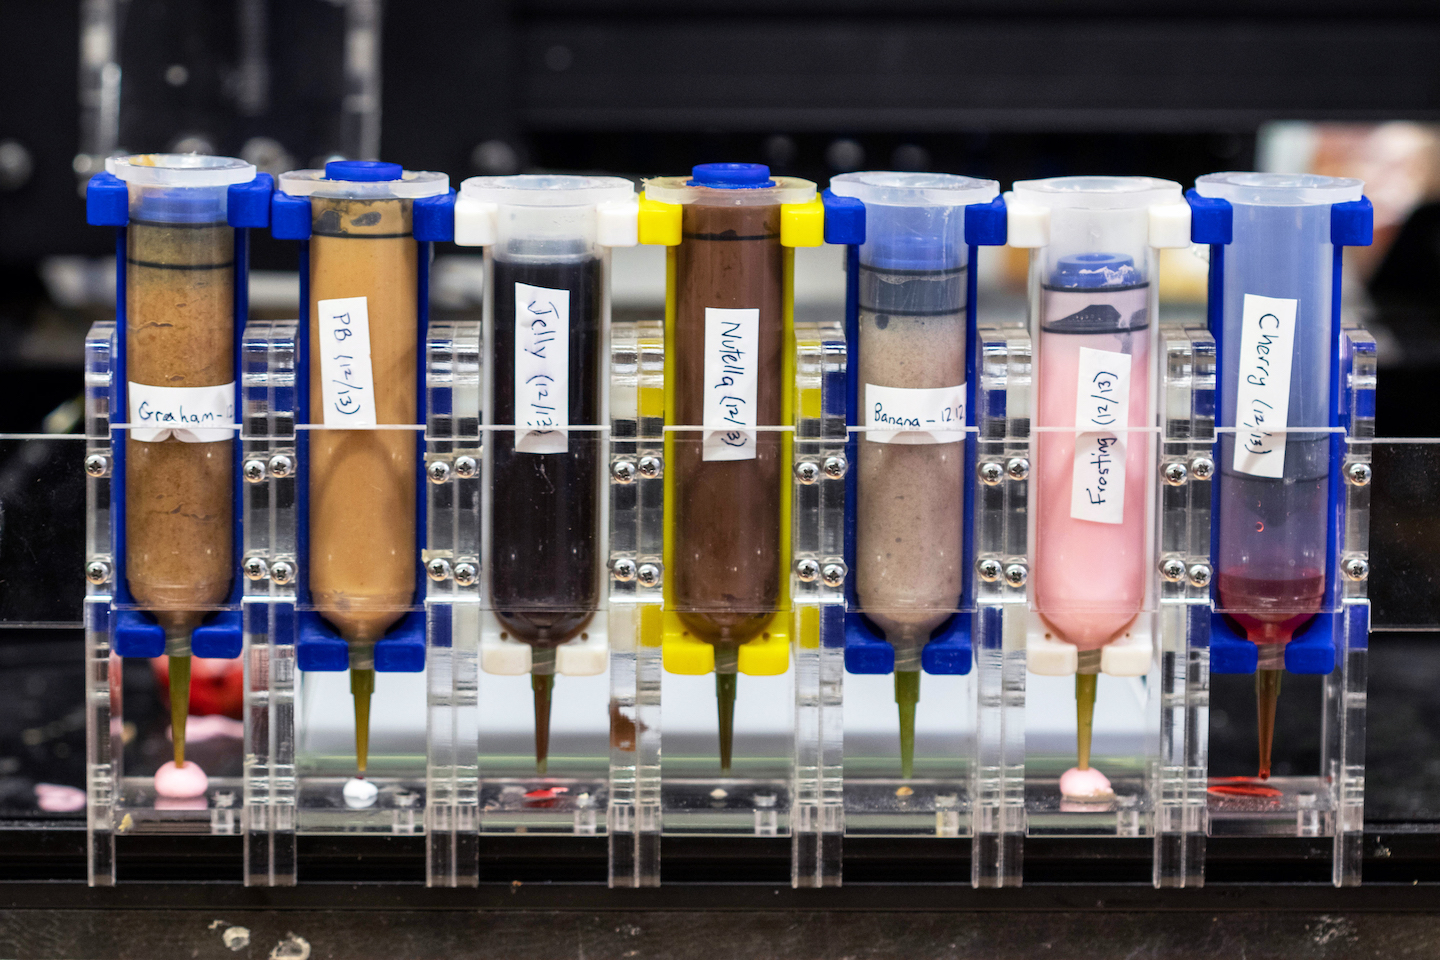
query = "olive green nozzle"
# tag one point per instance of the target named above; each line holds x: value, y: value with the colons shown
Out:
x: 1085, y: 684
x: 727, y: 662
x: 907, y: 695
x: 179, y: 703
x: 362, y: 687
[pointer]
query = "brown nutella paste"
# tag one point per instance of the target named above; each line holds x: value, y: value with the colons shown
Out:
x: 726, y: 532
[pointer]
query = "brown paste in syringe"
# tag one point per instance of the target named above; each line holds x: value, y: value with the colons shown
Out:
x: 179, y: 333
x: 911, y: 494
x: 726, y: 546
x: 362, y: 482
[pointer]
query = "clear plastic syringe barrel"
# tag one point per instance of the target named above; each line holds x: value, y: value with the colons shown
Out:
x: 362, y: 481
x: 1279, y: 272
x: 1093, y: 310
x: 727, y: 293
x: 548, y: 304
x: 180, y: 367
x: 912, y: 362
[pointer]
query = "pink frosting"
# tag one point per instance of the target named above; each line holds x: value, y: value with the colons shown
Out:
x: 1091, y: 784
x: 189, y: 803
x: 57, y: 798
x: 181, y: 783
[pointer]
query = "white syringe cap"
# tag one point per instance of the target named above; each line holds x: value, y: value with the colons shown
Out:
x: 546, y: 215
x: 1098, y: 193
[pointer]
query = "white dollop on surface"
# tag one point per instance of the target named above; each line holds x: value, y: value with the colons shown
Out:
x: 181, y: 783
x: 359, y: 793
x: 1090, y: 784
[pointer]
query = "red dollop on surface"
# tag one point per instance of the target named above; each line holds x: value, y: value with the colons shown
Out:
x: 1242, y: 787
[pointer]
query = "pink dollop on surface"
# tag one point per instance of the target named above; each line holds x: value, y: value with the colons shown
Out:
x: 181, y: 783
x: 1091, y: 784
x: 58, y: 798
x: 189, y: 803
x: 212, y: 726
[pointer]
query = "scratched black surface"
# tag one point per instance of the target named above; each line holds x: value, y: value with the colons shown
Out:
x: 1076, y: 934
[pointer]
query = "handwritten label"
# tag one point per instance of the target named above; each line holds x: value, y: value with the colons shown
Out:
x: 346, y: 377
x: 542, y: 369
x: 189, y: 414
x: 1102, y: 411
x: 731, y: 355
x: 1262, y: 398
x: 915, y: 414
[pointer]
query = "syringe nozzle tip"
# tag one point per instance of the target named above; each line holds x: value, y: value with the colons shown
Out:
x: 179, y: 704
x: 542, y: 685
x: 362, y: 686
x: 725, y: 702
x: 1085, y: 685
x: 907, y: 696
x: 1267, y: 695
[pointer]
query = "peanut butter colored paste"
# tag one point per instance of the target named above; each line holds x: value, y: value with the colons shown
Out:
x: 179, y: 329
x: 362, y: 482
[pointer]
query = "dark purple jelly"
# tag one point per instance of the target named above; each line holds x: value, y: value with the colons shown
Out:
x: 544, y: 530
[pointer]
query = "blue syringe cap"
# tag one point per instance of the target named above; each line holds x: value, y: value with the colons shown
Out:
x: 363, y: 171
x: 916, y: 251
x: 731, y: 176
x: 179, y: 187
x: 1088, y: 271
x: 181, y: 205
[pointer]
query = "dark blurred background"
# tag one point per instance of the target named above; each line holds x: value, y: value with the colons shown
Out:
x: 1007, y: 89
x: 1004, y: 89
